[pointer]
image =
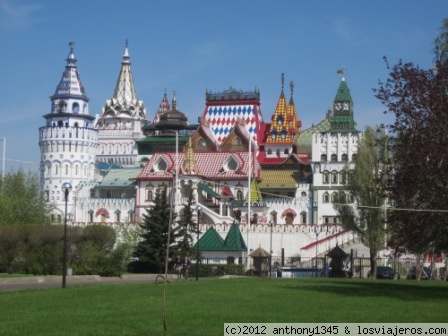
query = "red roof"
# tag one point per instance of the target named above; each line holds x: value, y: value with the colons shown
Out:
x: 302, y: 158
x: 210, y: 165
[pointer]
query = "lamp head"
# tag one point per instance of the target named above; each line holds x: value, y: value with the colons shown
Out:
x: 198, y: 208
x: 66, y: 188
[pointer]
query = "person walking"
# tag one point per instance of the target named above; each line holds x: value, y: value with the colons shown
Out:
x: 178, y: 265
x: 186, y: 266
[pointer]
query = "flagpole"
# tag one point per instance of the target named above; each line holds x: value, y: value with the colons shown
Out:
x: 248, y: 203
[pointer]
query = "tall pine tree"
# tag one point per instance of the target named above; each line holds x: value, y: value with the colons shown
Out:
x: 184, y: 232
x: 151, y: 249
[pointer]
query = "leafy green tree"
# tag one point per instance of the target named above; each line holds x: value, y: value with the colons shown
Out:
x: 151, y: 249
x: 365, y: 215
x: 21, y: 200
x: 186, y: 227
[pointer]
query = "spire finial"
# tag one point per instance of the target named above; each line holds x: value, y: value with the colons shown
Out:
x: 174, y: 100
x: 342, y: 72
x: 127, y: 43
x: 283, y: 80
x: 291, y: 85
x: 71, y: 44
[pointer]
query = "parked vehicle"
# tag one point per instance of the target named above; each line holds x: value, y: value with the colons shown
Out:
x: 386, y: 272
x: 426, y: 273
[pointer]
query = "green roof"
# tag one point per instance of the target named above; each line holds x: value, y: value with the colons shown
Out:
x: 234, y: 240
x: 119, y: 178
x: 343, y: 93
x: 212, y: 241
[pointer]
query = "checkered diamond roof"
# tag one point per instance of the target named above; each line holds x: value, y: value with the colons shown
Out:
x: 223, y: 112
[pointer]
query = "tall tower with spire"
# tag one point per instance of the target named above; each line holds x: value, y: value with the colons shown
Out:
x: 68, y: 141
x: 121, y: 121
x: 284, y: 128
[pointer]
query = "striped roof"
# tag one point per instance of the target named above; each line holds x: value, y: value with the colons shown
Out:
x: 279, y: 178
x: 213, y: 165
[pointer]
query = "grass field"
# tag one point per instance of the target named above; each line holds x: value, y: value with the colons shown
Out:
x: 202, y: 307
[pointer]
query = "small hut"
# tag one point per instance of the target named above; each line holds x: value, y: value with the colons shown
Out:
x: 338, y: 256
x: 261, y: 262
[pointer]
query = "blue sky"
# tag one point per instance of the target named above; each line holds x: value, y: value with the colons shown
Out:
x: 191, y: 46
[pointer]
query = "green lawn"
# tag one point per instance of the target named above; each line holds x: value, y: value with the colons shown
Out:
x: 202, y: 307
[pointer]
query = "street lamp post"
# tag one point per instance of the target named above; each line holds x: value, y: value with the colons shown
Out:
x: 271, y: 223
x: 198, y: 209
x: 317, y: 236
x: 66, y: 188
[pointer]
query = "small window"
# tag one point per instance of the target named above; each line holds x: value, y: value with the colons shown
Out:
x: 334, y: 177
x: 354, y: 157
x: 160, y: 165
x: 326, y: 177
x: 344, y: 158
x: 280, y: 120
x: 269, y: 151
x: 75, y: 108
x: 323, y: 158
x: 334, y: 158
x: 334, y: 197
x: 326, y: 198
x: 149, y: 195
x: 231, y: 164
x: 303, y: 215
x: 286, y: 151
x: 239, y: 195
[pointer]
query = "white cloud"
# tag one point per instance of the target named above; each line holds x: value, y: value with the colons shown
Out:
x: 16, y: 16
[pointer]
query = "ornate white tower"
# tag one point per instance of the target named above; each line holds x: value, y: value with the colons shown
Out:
x: 121, y: 121
x: 68, y: 141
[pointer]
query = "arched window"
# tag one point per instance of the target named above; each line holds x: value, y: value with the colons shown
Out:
x: 280, y: 120
x: 75, y: 108
x: 344, y: 157
x: 239, y: 195
x: 160, y: 165
x: 323, y: 158
x: 303, y: 215
x: 334, y: 158
x: 326, y: 177
x: 231, y: 164
x: 334, y: 197
x: 354, y: 157
x: 326, y: 197
x: 343, y: 177
x: 334, y: 177
x: 286, y: 151
x: 351, y: 199
x: 284, y: 132
x: 149, y: 195
x: 269, y: 151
